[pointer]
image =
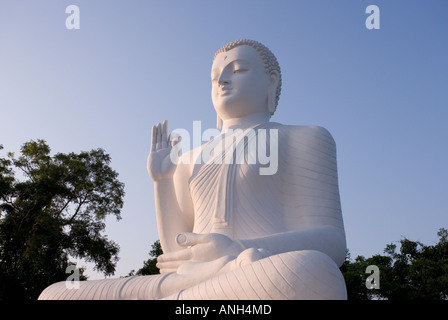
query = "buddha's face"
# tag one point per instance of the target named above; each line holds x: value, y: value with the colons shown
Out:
x: 239, y: 83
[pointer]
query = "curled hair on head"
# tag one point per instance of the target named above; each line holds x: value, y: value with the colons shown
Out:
x: 269, y: 60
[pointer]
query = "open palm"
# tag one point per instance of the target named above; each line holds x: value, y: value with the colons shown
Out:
x: 162, y: 159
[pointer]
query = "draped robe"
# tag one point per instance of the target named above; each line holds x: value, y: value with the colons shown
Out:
x: 234, y: 199
x: 223, y: 193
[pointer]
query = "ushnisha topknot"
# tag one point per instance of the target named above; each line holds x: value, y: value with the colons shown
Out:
x: 269, y: 60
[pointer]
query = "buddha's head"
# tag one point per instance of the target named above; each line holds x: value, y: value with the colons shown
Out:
x: 246, y: 79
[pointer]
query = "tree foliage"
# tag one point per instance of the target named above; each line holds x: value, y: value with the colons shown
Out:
x: 56, y: 211
x: 414, y: 272
x: 149, y: 266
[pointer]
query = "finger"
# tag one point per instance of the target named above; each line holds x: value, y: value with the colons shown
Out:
x: 163, y: 271
x: 159, y: 136
x: 179, y: 139
x: 174, y: 138
x: 183, y: 254
x: 153, y: 138
x: 169, y: 143
x: 190, y: 239
x: 170, y: 265
x: 174, y: 143
x: 164, y: 134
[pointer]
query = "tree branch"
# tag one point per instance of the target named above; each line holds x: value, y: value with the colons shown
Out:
x: 81, y: 203
x: 63, y: 208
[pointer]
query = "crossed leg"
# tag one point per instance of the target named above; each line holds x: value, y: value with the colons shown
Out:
x: 293, y: 275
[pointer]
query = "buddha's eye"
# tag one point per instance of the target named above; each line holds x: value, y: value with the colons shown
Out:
x: 239, y: 70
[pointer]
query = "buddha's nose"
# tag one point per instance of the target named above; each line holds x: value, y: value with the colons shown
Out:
x: 223, y: 80
x: 223, y: 83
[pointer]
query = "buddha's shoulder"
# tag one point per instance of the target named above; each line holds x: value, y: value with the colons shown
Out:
x: 308, y: 133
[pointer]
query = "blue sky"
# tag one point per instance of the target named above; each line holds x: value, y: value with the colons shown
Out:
x: 381, y: 93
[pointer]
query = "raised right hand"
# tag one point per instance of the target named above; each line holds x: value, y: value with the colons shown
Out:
x: 162, y: 159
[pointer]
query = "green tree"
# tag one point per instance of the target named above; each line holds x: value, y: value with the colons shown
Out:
x: 149, y: 266
x: 55, y: 212
x: 416, y: 271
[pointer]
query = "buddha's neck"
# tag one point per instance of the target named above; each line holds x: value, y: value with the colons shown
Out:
x: 245, y: 122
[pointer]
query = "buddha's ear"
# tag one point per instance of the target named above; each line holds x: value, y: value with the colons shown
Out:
x: 274, y: 77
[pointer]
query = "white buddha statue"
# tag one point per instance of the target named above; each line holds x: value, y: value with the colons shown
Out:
x: 227, y: 231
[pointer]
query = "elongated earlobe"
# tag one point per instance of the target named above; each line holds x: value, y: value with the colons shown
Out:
x: 218, y: 122
x: 272, y: 92
x: 271, y: 101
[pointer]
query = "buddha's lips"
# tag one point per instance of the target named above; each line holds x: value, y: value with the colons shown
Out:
x: 224, y: 91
